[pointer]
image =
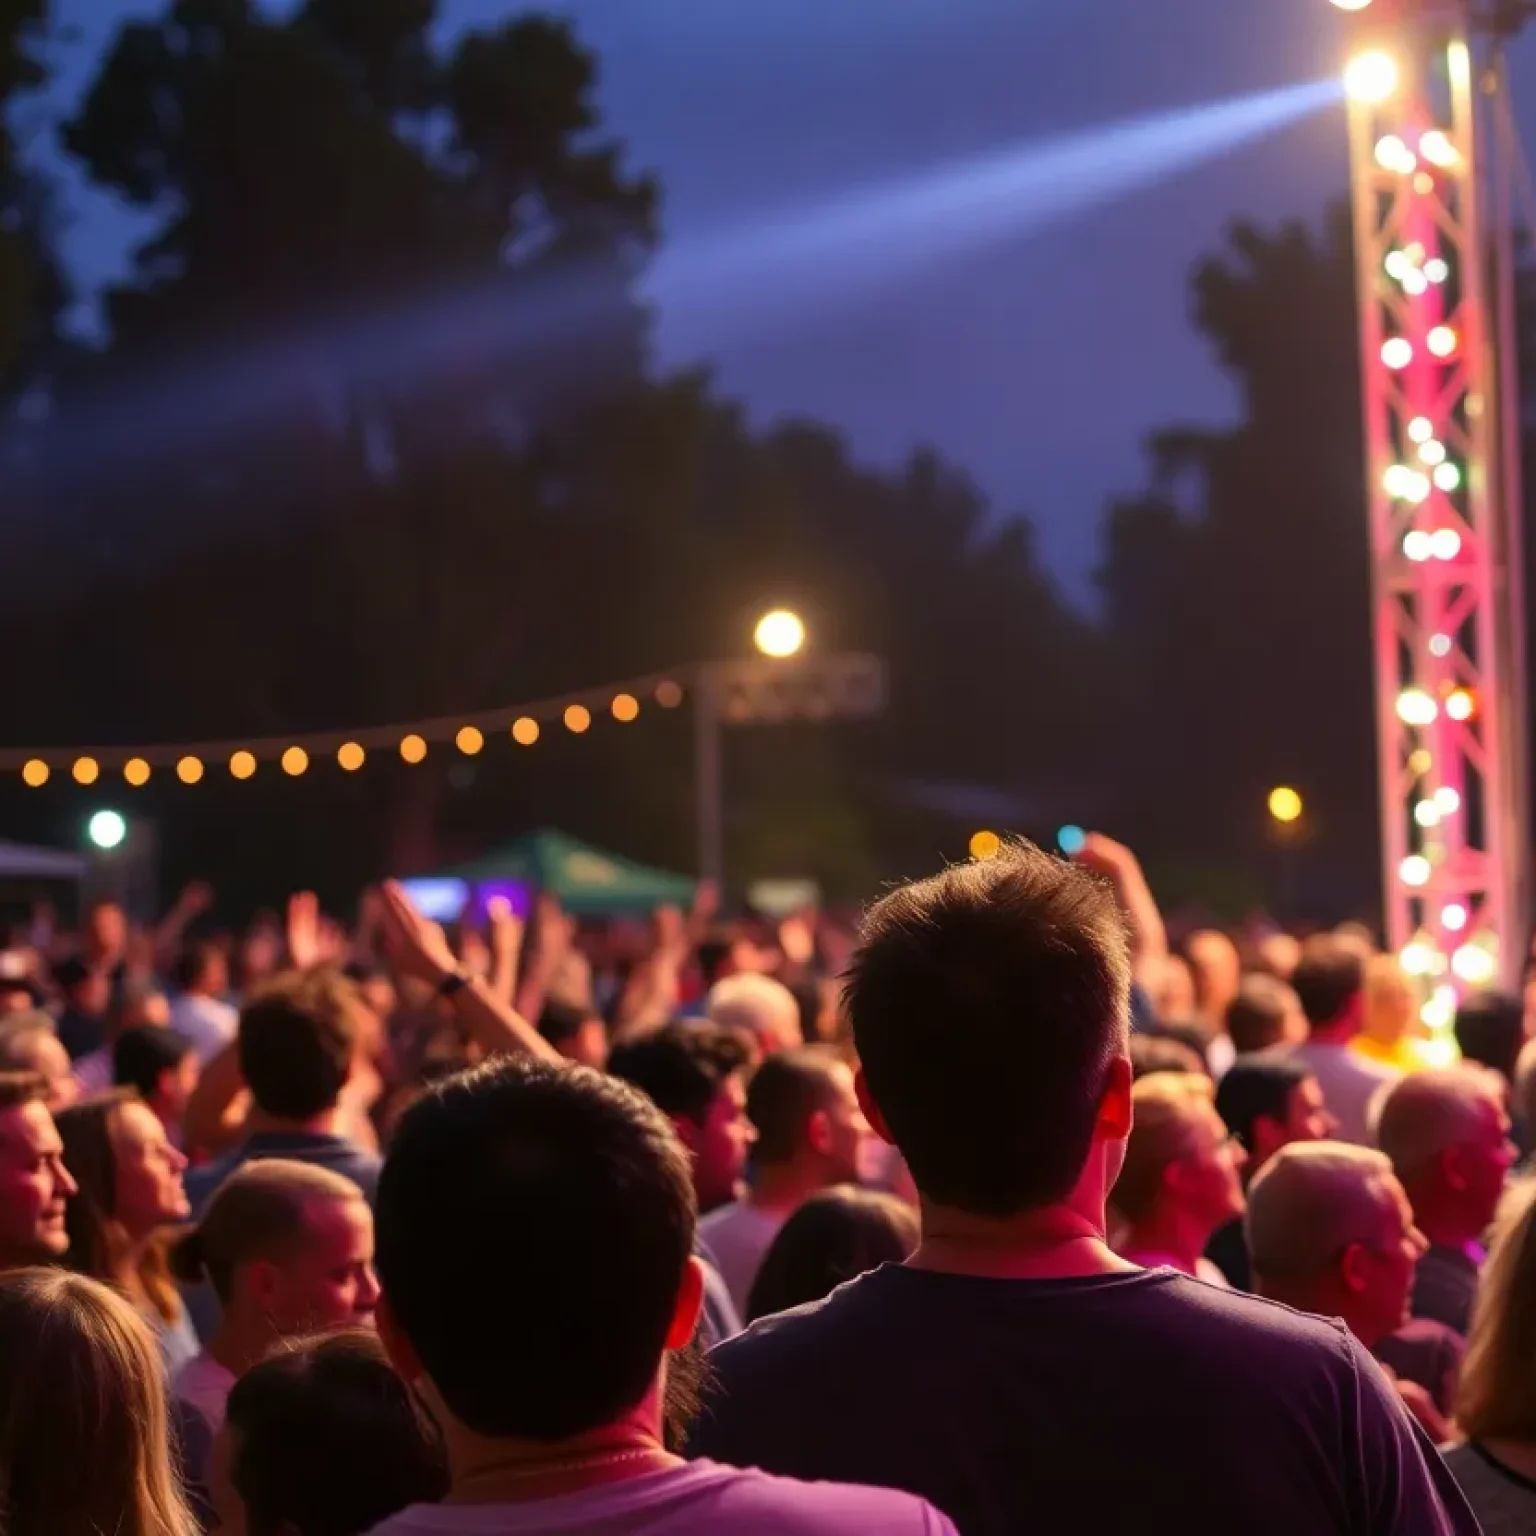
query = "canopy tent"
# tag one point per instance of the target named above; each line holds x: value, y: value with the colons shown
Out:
x: 588, y: 881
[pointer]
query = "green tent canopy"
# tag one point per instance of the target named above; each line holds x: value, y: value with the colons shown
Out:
x: 588, y: 881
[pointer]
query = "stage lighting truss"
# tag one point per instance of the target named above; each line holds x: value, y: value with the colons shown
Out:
x: 1444, y: 496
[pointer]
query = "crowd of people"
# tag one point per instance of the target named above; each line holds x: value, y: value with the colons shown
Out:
x: 1002, y: 1211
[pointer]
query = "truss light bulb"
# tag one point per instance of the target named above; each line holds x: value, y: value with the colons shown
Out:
x: 1441, y: 341
x: 1371, y: 77
x: 1461, y: 705
x: 1432, y: 452
x: 1437, y: 148
x: 1474, y: 965
x: 1414, y: 870
x: 1448, y: 477
x: 1417, y: 545
x: 1397, y: 264
x: 1445, y: 543
x: 1417, y: 958
x: 1396, y: 352
x: 1440, y: 645
x: 1448, y: 800
x: 1415, y: 284
x: 1418, y: 488
x: 1427, y: 814
x: 1436, y: 270
x: 1415, y: 707
x: 1421, y: 429
x: 1397, y: 481
x: 1453, y: 916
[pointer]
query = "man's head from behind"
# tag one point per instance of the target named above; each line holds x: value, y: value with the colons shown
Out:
x: 535, y: 1228
x: 1265, y: 1012
x: 696, y: 1075
x: 806, y: 1112
x: 1331, y: 1231
x: 34, y: 1184
x: 298, y: 1037
x: 1490, y: 1029
x: 1447, y: 1134
x: 989, y: 1006
x: 1328, y: 980
x: 762, y: 1007
x: 1268, y: 1102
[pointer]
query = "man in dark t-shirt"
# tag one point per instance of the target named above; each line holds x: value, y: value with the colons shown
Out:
x: 1016, y: 1372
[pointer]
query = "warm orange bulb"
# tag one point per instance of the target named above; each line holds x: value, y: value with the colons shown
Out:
x: 525, y: 731
x: 242, y: 765
x: 626, y: 707
x: 669, y: 695
x: 413, y: 749
x: 469, y: 741
x: 34, y: 774
x: 136, y: 772
x: 578, y: 718
x: 190, y: 769
x: 295, y: 760
x: 86, y: 770
x: 351, y: 756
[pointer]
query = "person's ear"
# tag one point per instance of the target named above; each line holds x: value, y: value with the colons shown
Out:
x: 1115, y: 1114
x: 690, y: 1303
x: 263, y: 1283
x: 818, y: 1132
x: 1354, y: 1269
x: 871, y: 1109
x: 1268, y: 1135
x: 1453, y: 1169
x: 406, y: 1361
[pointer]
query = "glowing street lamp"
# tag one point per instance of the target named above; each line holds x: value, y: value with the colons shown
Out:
x: 106, y: 830
x: 780, y: 634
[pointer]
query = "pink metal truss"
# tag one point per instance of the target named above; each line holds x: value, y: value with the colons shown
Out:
x: 1443, y: 499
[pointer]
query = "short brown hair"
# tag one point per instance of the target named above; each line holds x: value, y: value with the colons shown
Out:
x: 258, y: 1212
x: 988, y: 1004
x: 297, y: 1040
x: 1256, y: 1016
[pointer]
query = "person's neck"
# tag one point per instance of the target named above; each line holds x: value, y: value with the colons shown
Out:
x: 1056, y: 1242
x: 242, y: 1341
x: 1171, y: 1234
x: 1518, y: 1455
x: 1441, y: 1222
x: 260, y: 1123
x: 1340, y: 1032
x: 510, y: 1471
x: 778, y: 1189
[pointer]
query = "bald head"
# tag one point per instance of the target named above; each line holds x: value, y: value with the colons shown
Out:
x: 1311, y: 1201
x: 1429, y: 1113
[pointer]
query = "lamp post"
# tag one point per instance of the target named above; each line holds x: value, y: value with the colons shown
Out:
x: 780, y: 683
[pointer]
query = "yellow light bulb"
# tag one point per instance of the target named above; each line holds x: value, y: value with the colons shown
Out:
x: 985, y: 845
x: 578, y: 718
x: 525, y: 731
x: 626, y: 707
x: 242, y: 765
x: 295, y: 760
x: 350, y: 756
x: 86, y: 770
x: 469, y: 741
x: 136, y: 772
x: 1285, y: 804
x: 189, y: 770
x: 413, y: 749
x: 34, y: 774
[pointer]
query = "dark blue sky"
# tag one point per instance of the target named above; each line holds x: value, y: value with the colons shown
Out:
x: 1040, y: 365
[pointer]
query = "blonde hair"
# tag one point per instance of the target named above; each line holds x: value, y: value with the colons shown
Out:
x: 1388, y: 995
x: 1497, y: 1398
x: 85, y: 1436
x: 1161, y: 1104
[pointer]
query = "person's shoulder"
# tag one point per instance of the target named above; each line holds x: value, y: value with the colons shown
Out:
x: 754, y: 1500
x: 201, y: 1181
x: 721, y: 1217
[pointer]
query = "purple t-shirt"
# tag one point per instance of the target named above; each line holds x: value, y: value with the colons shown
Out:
x: 686, y: 1501
x: 1112, y: 1405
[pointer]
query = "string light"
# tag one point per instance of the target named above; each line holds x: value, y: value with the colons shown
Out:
x: 669, y: 694
x: 35, y: 773
x: 189, y: 770
x: 86, y: 770
x: 295, y: 760
x: 413, y: 749
x: 242, y: 765
x: 469, y: 741
x: 577, y: 718
x: 626, y: 707
x: 350, y: 756
x: 525, y: 731
x: 136, y: 772
x: 1285, y: 804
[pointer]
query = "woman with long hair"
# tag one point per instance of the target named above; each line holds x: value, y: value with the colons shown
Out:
x: 130, y: 1195
x: 1496, y: 1405
x: 85, y: 1442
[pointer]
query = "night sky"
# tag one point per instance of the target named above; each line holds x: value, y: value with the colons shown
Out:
x: 1039, y: 366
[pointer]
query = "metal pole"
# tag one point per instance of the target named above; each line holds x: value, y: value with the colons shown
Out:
x: 708, y: 788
